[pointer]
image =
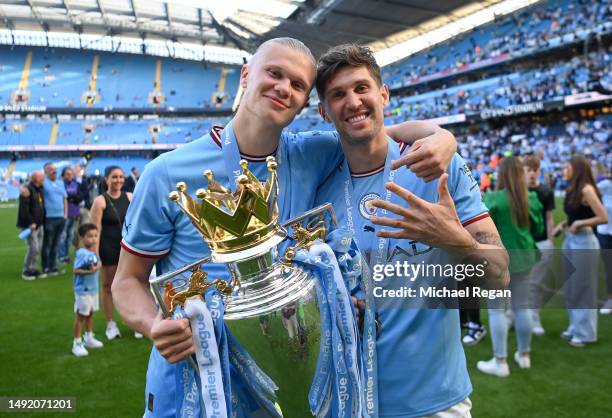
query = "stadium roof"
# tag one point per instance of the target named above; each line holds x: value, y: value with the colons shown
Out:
x: 241, y: 24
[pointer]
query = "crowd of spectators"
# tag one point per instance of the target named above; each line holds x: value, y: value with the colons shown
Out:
x: 535, y: 28
x: 562, y: 78
x: 482, y: 144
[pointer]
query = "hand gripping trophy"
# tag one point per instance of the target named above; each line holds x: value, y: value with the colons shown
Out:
x: 279, y: 337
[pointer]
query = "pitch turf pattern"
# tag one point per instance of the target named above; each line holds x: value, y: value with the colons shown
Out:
x: 36, y: 336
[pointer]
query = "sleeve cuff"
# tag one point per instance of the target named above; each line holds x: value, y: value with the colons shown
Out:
x: 475, y: 219
x: 142, y: 253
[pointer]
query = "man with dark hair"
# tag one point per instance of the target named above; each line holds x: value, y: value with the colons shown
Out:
x: 544, y: 241
x: 32, y: 215
x: 415, y: 361
x: 276, y: 83
x: 130, y: 181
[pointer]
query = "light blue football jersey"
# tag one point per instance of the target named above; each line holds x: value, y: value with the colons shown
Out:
x: 155, y: 227
x: 85, y: 283
x: 421, y: 363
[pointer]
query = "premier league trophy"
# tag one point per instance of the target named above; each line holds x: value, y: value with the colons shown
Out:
x: 289, y: 331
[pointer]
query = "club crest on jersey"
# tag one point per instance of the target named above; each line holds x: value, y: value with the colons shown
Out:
x: 365, y: 207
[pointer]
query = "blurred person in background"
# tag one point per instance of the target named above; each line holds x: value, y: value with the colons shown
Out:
x: 131, y: 180
x: 108, y: 214
x: 74, y: 198
x: 604, y: 234
x: 31, y: 215
x: 544, y: 240
x: 56, y: 212
x: 584, y: 210
x: 517, y: 213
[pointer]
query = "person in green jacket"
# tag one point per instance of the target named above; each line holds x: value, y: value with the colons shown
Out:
x: 517, y: 213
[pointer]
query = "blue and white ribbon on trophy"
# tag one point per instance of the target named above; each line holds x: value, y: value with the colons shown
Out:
x: 221, y: 359
x: 213, y: 394
x: 336, y: 389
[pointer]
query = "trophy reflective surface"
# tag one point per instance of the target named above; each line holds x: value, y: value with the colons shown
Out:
x: 270, y: 303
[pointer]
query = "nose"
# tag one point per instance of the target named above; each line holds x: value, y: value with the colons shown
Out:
x: 282, y: 87
x: 353, y: 101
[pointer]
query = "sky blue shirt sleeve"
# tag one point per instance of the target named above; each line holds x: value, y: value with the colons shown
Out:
x: 321, y: 151
x: 148, y: 229
x: 465, y: 191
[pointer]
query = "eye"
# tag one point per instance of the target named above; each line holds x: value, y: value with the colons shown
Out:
x: 362, y: 88
x: 274, y: 73
x: 298, y: 86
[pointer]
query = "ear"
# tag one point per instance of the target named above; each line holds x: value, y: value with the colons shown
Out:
x: 244, y: 74
x: 322, y: 112
x: 384, y: 91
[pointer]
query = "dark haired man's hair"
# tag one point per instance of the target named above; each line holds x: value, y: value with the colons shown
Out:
x: 346, y: 55
x: 85, y: 228
x: 532, y: 162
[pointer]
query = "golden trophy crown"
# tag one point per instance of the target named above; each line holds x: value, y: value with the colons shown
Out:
x: 233, y: 221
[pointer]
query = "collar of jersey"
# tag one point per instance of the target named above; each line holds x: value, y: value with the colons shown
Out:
x: 368, y: 173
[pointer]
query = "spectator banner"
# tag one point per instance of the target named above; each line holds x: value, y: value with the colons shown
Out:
x: 532, y: 107
x: 114, y: 147
x: 587, y: 97
x: 161, y: 111
x: 447, y: 120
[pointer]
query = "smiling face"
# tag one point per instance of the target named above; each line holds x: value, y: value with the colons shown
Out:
x: 276, y: 84
x: 115, y: 179
x: 354, y: 102
x: 90, y: 239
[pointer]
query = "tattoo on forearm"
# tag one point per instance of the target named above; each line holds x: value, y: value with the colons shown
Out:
x: 488, y: 238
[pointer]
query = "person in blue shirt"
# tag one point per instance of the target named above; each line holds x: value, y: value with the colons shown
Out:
x: 86, y: 267
x: 421, y: 367
x: 56, y: 213
x: 276, y: 84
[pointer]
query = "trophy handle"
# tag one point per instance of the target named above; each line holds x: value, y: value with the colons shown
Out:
x: 155, y: 288
x: 315, y: 229
x: 319, y: 211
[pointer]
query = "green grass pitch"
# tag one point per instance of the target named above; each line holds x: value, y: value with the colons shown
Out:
x: 36, y: 336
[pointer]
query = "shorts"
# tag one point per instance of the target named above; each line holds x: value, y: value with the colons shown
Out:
x: 459, y: 410
x: 86, y: 303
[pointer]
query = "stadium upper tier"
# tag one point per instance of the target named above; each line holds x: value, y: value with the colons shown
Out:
x: 545, y: 25
x: 551, y: 81
x: 106, y: 132
x: 73, y: 78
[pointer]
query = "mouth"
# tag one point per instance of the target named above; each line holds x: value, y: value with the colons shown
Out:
x: 355, y: 119
x: 277, y: 102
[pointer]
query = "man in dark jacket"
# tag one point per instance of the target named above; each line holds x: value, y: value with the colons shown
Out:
x: 130, y: 181
x: 32, y: 215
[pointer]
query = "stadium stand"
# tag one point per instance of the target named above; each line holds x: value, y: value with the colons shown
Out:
x: 547, y: 25
x: 60, y: 77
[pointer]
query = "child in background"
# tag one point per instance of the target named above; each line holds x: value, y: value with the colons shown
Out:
x: 86, y: 267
